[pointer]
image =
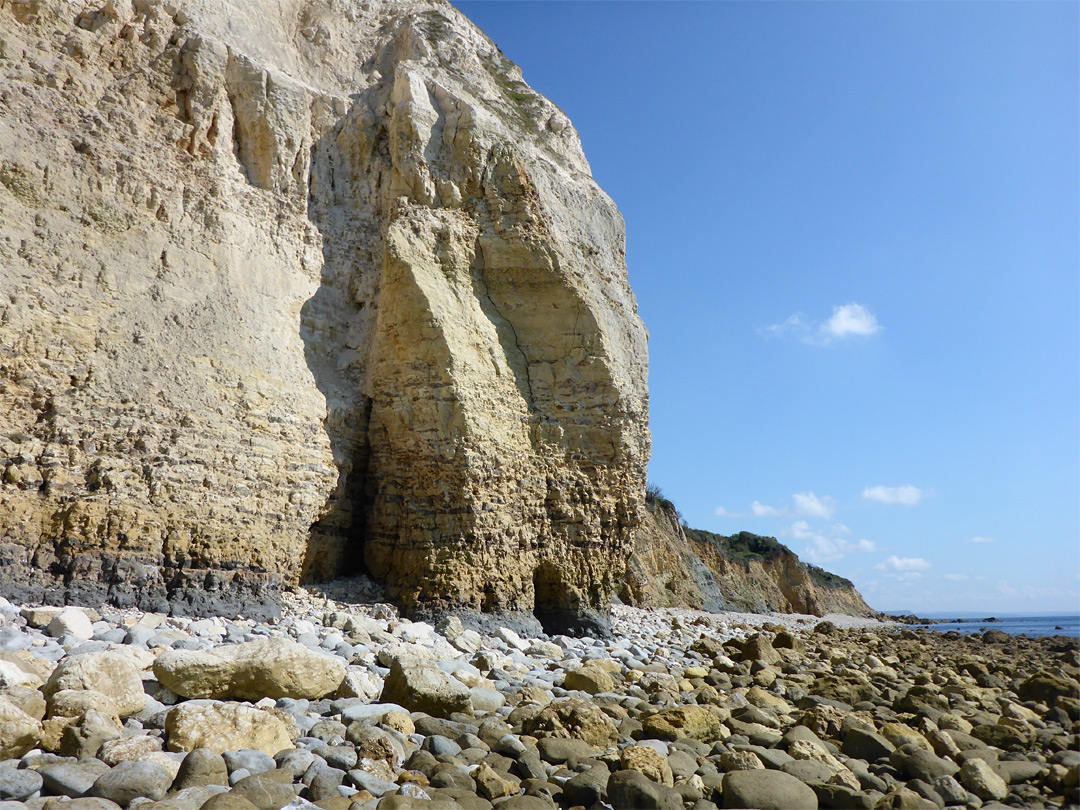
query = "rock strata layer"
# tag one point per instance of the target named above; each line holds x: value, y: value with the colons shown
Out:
x: 299, y: 289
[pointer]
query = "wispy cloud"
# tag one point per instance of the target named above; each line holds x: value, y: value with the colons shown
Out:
x: 847, y: 321
x: 895, y: 563
x: 724, y: 513
x: 957, y: 577
x: 906, y: 495
x: 810, y: 505
x: 761, y: 510
x: 820, y: 548
x: 983, y: 540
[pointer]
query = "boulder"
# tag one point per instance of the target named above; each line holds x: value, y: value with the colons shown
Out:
x: 128, y: 749
x: 683, y: 721
x: 759, y: 648
x: 558, y: 750
x: 420, y: 686
x: 111, y: 673
x: 631, y: 790
x: 85, y: 737
x: 867, y: 745
x: 649, y: 762
x: 979, y: 777
x: 918, y: 763
x: 19, y: 732
x: 18, y: 784
x: 767, y: 790
x: 201, y: 767
x: 71, y: 621
x: 130, y: 780
x: 577, y: 719
x: 273, y: 668
x: 72, y: 779
x: 589, y: 678
x: 225, y: 727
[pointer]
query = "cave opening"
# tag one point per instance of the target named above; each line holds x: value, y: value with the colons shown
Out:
x: 549, y: 599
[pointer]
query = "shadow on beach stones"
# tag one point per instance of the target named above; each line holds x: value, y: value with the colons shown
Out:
x: 591, y: 623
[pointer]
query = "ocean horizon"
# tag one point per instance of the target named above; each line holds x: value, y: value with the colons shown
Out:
x: 1015, y: 624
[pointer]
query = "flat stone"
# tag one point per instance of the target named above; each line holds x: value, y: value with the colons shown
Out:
x: 919, y: 763
x: 273, y: 667
x: 558, y: 750
x: 271, y: 790
x: 867, y: 745
x: 766, y: 790
x: 248, y: 759
x: 72, y: 779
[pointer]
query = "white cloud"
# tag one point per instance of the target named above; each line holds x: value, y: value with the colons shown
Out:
x: 910, y: 576
x: 895, y: 563
x: 957, y: 577
x: 982, y: 540
x: 722, y: 512
x: 850, y: 319
x: 810, y: 505
x: 906, y: 495
x: 820, y: 548
x: 761, y: 510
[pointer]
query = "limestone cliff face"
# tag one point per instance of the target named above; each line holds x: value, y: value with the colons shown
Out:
x: 297, y: 289
x: 675, y: 567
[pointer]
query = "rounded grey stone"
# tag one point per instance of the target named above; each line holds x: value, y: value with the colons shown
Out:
x: 18, y: 784
x: 766, y: 790
x: 251, y: 761
x: 130, y: 780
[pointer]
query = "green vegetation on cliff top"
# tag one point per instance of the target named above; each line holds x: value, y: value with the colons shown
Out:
x: 744, y: 547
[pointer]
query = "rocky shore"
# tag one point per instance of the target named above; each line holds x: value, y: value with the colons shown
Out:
x: 344, y: 706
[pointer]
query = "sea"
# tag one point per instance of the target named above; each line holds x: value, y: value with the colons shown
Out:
x: 1015, y: 624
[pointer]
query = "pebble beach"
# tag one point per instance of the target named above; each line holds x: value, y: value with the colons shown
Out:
x: 337, y: 705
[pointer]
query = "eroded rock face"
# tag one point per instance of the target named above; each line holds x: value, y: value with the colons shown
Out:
x: 292, y: 291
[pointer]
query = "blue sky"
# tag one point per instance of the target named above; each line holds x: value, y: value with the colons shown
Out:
x: 853, y: 235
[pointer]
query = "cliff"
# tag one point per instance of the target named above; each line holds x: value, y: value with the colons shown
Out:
x: 301, y: 289
x: 673, y: 566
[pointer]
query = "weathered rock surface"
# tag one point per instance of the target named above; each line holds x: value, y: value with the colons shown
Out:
x: 19, y: 732
x: 274, y: 668
x: 225, y: 727
x: 109, y: 673
x: 292, y: 290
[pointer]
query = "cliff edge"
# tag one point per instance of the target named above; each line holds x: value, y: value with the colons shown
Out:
x: 302, y: 289
x: 674, y: 566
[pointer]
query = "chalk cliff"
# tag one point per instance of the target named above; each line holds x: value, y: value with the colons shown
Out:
x: 672, y: 566
x: 292, y: 290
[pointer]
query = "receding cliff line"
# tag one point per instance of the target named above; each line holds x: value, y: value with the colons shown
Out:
x: 302, y: 291
x: 673, y: 566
